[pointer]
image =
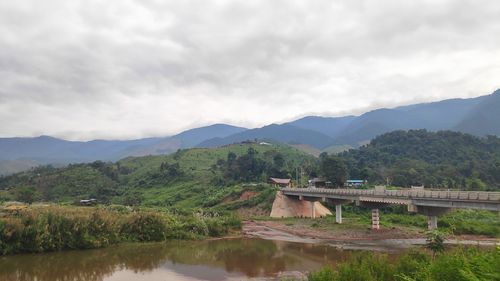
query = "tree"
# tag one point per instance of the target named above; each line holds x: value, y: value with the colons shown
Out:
x: 279, y: 161
x: 333, y: 169
x: 435, y: 241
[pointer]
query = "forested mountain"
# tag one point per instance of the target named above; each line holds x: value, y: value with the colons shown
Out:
x: 442, y: 159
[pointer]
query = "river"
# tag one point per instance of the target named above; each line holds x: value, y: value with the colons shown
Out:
x: 223, y: 259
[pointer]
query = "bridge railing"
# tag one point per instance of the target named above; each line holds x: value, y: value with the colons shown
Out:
x: 453, y: 195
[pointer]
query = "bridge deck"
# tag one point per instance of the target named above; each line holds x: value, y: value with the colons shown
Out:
x: 478, y: 196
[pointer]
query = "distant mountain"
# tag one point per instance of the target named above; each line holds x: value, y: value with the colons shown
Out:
x: 479, y: 116
x: 17, y: 154
x: 331, y: 126
x: 48, y: 149
x: 484, y: 119
x: 186, y: 139
x: 282, y: 133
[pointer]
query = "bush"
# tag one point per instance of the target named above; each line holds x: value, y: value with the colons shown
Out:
x: 144, y: 227
x: 459, y: 264
x: 39, y: 229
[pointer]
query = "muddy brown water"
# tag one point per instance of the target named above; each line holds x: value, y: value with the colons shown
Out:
x: 224, y: 259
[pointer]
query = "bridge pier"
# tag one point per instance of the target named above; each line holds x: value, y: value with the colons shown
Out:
x: 338, y: 208
x: 432, y: 214
x: 313, y: 210
x: 432, y: 222
x: 338, y: 213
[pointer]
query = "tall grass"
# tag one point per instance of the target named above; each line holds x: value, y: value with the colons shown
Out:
x: 52, y: 228
x: 456, y: 265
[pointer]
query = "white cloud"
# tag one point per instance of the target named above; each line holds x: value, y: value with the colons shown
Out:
x: 121, y: 69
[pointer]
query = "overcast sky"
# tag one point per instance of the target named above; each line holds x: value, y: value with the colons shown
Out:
x: 84, y: 69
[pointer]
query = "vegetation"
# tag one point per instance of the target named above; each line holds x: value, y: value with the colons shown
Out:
x: 333, y: 169
x: 456, y: 265
x: 187, y: 178
x: 435, y: 241
x: 52, y: 228
x: 184, y: 179
x: 441, y: 160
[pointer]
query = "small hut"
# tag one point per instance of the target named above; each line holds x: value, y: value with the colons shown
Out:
x: 280, y: 182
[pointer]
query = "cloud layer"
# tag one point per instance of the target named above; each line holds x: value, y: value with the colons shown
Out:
x: 87, y: 69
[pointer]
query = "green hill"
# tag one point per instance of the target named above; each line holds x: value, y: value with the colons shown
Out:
x: 198, y: 177
x: 442, y: 160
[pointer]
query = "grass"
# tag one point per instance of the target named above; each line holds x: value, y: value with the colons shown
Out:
x: 53, y: 227
x: 456, y: 265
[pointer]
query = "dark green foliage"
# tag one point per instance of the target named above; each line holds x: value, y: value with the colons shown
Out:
x: 333, y: 169
x: 441, y: 160
x: 253, y: 167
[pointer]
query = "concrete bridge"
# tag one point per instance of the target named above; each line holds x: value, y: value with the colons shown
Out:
x: 426, y: 202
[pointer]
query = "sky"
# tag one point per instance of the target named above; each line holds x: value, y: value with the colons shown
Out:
x: 121, y: 69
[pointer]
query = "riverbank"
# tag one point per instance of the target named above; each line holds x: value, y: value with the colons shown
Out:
x: 45, y: 228
x: 351, y: 236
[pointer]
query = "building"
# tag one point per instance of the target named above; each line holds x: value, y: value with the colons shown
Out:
x: 280, y: 182
x: 318, y: 183
x: 355, y: 183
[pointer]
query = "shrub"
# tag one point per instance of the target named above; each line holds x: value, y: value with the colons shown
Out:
x: 144, y: 227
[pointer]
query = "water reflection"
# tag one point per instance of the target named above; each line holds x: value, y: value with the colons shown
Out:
x: 194, y: 260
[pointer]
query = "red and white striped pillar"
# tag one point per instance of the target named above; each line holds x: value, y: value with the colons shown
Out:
x: 375, y: 219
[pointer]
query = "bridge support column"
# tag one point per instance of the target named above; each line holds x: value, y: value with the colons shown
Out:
x: 338, y: 207
x: 338, y: 213
x: 432, y: 214
x: 313, y: 210
x: 432, y: 222
x: 375, y: 219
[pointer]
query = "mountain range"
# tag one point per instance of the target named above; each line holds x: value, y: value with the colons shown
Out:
x: 478, y: 116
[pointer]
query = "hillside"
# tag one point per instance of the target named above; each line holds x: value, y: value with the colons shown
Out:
x: 196, y: 177
x: 442, y: 159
